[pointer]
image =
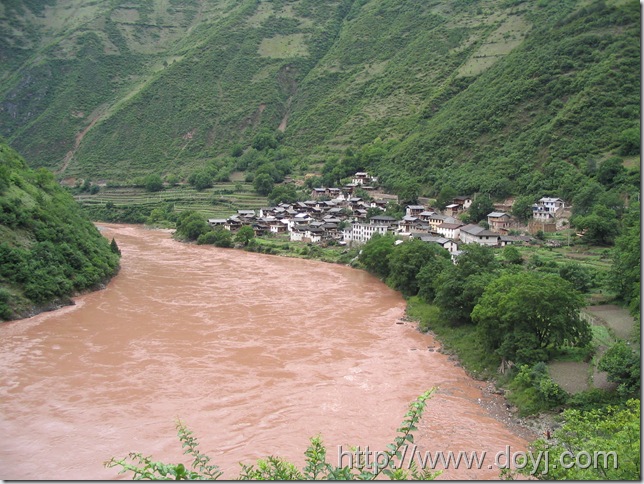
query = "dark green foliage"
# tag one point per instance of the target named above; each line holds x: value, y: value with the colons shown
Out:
x: 374, y: 255
x: 610, y: 436
x: 153, y: 183
x: 630, y: 140
x: 212, y: 85
x: 459, y: 287
x: 114, y: 247
x: 264, y: 140
x: 480, y: 208
x: 49, y: 250
x: 263, y: 184
x: 533, y: 390
x: 520, y: 316
x: 445, y: 197
x: 522, y: 208
x: 511, y: 255
x: 408, y: 259
x: 600, y: 226
x: 200, y: 179
x: 283, y: 194
x: 622, y: 361
x: 610, y: 170
x: 219, y: 237
x: 190, y: 225
x: 245, y: 235
x: 625, y: 277
x: 577, y: 275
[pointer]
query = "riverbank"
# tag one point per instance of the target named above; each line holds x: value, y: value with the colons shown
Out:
x: 457, y: 343
x: 32, y: 310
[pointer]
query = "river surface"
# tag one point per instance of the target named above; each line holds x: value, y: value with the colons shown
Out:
x: 255, y: 353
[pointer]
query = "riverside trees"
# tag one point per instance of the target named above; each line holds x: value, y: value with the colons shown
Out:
x: 521, y: 315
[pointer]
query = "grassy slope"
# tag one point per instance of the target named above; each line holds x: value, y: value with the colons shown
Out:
x: 468, y: 87
x: 49, y: 249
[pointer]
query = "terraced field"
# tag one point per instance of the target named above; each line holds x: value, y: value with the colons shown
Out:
x: 218, y: 202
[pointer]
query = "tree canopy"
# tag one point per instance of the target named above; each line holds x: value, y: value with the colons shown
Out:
x: 521, y: 315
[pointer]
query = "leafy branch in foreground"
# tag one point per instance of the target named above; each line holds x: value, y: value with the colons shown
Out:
x: 276, y: 468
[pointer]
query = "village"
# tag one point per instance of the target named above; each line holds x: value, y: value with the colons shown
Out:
x: 338, y: 216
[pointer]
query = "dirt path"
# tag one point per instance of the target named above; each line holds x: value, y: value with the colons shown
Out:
x: 94, y: 118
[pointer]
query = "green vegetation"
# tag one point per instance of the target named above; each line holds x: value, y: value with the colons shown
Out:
x: 610, y: 435
x: 49, y: 250
x: 276, y: 468
x: 505, y: 98
x: 132, y: 204
x: 521, y: 315
x: 489, y: 99
x: 507, y: 313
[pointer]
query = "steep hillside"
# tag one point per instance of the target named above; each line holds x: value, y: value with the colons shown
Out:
x: 48, y: 249
x: 455, y: 89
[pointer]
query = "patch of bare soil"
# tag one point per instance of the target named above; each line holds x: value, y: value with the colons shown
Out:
x: 616, y: 318
x: 572, y: 376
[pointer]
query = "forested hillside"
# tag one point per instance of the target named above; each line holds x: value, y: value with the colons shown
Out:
x: 49, y: 249
x: 492, y: 96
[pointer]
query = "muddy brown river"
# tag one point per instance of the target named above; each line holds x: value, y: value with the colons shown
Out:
x: 254, y: 353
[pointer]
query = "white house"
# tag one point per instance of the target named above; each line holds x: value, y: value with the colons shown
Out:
x: 463, y: 201
x: 450, y: 230
x: 551, y: 204
x: 361, y: 233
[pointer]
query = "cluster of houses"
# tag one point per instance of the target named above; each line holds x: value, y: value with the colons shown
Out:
x: 335, y: 215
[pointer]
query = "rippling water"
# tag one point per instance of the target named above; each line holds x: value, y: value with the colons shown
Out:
x: 254, y: 353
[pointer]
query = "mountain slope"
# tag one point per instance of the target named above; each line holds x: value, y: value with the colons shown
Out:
x: 454, y: 88
x: 49, y: 250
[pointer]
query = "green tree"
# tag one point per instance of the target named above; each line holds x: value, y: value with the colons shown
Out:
x: 114, y: 247
x: 622, y: 362
x: 445, y: 197
x: 408, y: 191
x: 283, y: 194
x: 522, y: 208
x: 427, y: 275
x: 172, y: 180
x: 511, y: 255
x: 245, y: 235
x: 577, y: 275
x: 374, y: 255
x: 481, y: 206
x: 600, y: 226
x: 263, y: 184
x: 586, y: 198
x: 625, y: 272
x: 610, y: 435
x: 219, y: 237
x: 200, y: 179
x: 630, y: 140
x: 237, y: 150
x: 406, y: 261
x: 190, y: 225
x: 153, y: 183
x: 459, y: 287
x: 522, y: 315
x: 610, y: 170
x: 264, y: 140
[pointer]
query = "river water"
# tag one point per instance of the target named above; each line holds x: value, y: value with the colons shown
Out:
x: 255, y: 353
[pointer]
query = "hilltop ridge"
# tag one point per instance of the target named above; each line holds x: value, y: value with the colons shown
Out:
x: 448, y: 92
